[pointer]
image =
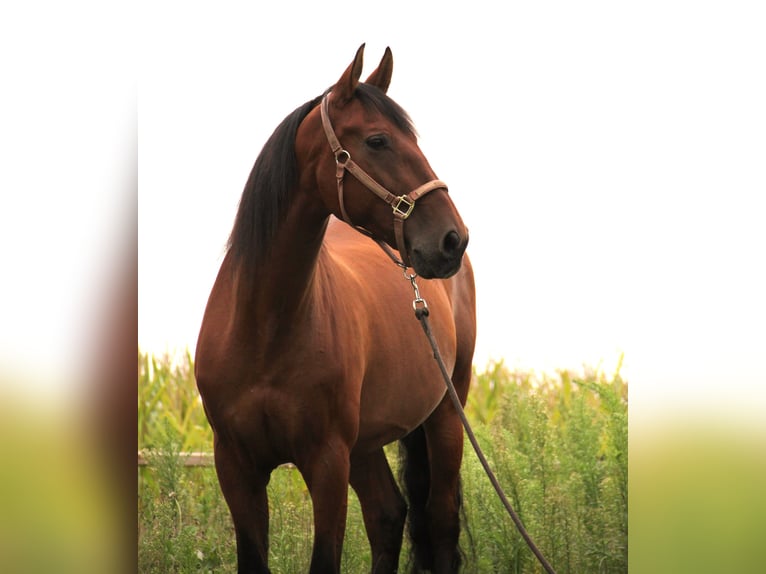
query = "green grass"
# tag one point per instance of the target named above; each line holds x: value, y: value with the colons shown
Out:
x: 559, y: 449
x: 558, y: 445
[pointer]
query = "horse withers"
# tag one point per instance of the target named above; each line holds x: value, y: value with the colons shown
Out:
x: 309, y: 351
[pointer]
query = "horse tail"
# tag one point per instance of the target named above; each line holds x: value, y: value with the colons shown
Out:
x: 415, y: 478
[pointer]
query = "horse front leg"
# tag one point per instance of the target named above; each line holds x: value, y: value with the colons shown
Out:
x: 245, y: 492
x: 383, y: 508
x: 326, y: 474
x: 444, y: 435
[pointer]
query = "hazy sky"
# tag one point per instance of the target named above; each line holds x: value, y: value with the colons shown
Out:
x: 608, y: 160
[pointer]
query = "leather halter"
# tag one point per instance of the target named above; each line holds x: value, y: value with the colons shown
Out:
x: 402, y: 205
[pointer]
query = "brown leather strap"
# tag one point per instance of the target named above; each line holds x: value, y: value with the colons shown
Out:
x: 340, y: 173
x: 353, y: 168
x: 402, y: 205
x: 334, y: 143
x: 399, y: 234
x: 425, y: 188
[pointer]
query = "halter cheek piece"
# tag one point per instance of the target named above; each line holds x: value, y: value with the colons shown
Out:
x: 402, y: 205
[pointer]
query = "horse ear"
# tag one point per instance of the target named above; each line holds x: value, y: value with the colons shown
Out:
x: 344, y: 90
x: 381, y: 77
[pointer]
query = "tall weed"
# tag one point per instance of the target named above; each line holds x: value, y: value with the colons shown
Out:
x: 559, y: 448
x: 178, y: 508
x: 167, y: 396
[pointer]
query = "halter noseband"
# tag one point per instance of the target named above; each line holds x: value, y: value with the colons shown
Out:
x: 402, y: 205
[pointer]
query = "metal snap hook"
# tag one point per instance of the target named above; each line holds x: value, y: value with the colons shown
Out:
x: 418, y: 304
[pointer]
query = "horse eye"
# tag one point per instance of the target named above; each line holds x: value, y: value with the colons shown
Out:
x: 377, y: 142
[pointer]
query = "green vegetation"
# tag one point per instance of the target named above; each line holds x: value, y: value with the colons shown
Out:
x: 558, y: 445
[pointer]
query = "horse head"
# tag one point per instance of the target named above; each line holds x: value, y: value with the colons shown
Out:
x: 362, y: 150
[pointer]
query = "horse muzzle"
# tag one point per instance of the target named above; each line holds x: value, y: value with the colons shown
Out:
x: 439, y: 259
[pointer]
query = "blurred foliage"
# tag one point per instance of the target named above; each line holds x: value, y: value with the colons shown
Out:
x: 698, y: 498
x: 59, y: 508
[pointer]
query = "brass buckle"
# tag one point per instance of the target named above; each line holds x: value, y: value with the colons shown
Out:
x: 403, y: 213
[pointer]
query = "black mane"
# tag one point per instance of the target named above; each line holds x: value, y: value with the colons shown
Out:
x: 274, y: 176
x: 267, y: 191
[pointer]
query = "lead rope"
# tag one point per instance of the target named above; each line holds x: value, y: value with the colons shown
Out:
x: 421, y: 313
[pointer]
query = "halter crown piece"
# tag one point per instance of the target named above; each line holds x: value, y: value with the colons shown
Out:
x: 402, y: 205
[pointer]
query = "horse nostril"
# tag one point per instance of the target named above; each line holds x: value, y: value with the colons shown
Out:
x: 450, y: 243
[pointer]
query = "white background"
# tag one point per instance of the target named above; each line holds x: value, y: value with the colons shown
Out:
x: 608, y: 159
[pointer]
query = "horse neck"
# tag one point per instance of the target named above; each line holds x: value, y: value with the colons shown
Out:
x: 271, y: 291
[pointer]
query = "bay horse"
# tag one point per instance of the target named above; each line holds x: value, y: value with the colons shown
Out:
x: 309, y: 351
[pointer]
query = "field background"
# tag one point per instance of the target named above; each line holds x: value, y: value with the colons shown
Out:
x: 558, y: 444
